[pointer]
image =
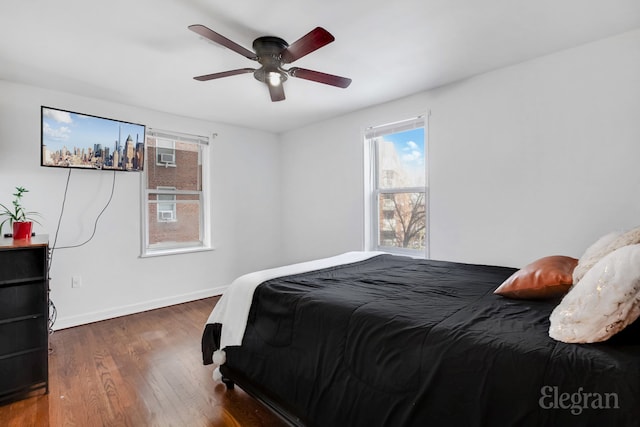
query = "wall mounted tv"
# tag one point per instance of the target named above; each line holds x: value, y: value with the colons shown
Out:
x: 75, y: 140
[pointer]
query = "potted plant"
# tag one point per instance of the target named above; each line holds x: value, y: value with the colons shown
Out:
x: 18, y: 218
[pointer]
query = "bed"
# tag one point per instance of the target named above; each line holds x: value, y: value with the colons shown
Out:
x: 372, y: 339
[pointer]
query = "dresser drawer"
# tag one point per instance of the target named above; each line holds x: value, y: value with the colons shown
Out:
x: 22, y: 264
x: 23, y: 335
x: 22, y: 300
x: 21, y: 373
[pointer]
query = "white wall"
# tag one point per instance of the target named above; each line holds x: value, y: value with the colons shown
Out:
x: 535, y: 159
x: 245, y: 211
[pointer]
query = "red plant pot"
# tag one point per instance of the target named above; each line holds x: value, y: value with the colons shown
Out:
x: 22, y: 230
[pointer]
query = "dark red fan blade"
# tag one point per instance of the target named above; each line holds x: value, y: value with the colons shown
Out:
x: 314, y: 40
x: 224, y: 74
x: 222, y: 40
x: 276, y: 92
x: 317, y: 76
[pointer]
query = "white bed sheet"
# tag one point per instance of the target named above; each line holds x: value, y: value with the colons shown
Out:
x: 232, y: 310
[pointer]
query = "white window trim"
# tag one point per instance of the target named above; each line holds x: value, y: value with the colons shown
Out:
x: 371, y: 190
x: 205, y: 220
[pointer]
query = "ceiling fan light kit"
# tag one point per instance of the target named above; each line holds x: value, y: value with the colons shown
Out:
x: 272, y: 53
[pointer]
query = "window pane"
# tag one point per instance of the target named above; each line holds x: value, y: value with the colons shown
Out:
x: 402, y: 220
x: 401, y: 159
x: 181, y: 230
x: 179, y: 167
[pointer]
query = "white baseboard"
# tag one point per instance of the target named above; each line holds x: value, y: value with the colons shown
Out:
x: 96, y: 316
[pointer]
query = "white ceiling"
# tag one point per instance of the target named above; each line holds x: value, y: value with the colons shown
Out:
x: 140, y: 52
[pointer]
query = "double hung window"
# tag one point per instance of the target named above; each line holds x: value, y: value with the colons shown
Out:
x: 175, y: 201
x: 397, y: 192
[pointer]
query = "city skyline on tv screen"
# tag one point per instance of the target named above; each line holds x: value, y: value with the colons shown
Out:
x: 79, y: 140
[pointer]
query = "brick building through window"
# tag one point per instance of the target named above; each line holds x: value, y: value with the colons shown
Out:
x: 174, y: 195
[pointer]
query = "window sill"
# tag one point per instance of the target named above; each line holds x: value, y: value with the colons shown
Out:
x: 403, y: 252
x: 175, y: 251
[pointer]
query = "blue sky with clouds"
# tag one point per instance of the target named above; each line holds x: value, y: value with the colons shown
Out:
x: 410, y: 147
x: 67, y: 129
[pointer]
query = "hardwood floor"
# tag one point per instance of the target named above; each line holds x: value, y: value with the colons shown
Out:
x: 140, y: 370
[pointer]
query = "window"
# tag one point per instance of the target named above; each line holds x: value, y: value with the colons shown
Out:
x: 165, y: 152
x: 396, y: 194
x: 167, y: 204
x: 175, y: 216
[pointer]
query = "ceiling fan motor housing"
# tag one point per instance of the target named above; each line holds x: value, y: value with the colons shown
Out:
x: 269, y: 51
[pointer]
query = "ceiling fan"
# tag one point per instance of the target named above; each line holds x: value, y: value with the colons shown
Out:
x: 272, y: 53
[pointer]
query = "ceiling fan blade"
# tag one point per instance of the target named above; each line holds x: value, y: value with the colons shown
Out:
x: 314, y: 40
x: 206, y: 77
x: 222, y: 40
x: 317, y: 76
x: 276, y: 92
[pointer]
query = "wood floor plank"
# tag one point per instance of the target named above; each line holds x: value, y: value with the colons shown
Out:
x: 139, y: 370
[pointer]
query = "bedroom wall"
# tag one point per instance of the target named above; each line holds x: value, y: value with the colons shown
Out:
x: 535, y: 159
x: 244, y: 190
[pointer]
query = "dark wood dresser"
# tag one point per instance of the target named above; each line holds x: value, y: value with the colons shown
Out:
x: 24, y: 317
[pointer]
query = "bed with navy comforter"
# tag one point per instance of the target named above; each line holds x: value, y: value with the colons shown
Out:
x: 396, y: 341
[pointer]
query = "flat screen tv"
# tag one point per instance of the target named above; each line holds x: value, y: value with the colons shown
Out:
x: 75, y: 140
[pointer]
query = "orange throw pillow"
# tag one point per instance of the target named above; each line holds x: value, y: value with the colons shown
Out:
x: 548, y: 277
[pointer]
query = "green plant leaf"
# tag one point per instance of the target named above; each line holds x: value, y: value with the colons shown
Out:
x: 18, y: 214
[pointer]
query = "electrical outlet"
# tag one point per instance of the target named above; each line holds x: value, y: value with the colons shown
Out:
x: 76, y: 281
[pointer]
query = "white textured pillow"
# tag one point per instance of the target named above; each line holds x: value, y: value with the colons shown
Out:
x: 604, y: 302
x: 603, y: 246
